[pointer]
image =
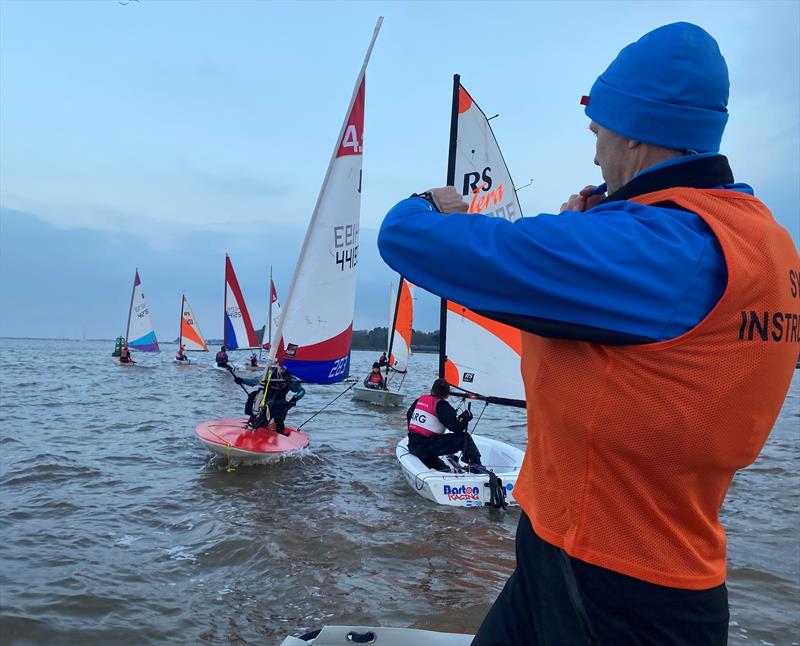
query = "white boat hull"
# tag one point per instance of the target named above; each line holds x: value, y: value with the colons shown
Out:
x: 377, y: 397
x: 463, y: 489
x: 341, y: 635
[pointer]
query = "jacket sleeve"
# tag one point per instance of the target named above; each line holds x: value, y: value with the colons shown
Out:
x: 250, y: 381
x: 447, y: 416
x: 297, y: 388
x: 619, y: 273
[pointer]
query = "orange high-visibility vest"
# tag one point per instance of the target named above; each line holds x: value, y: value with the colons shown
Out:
x: 631, y: 449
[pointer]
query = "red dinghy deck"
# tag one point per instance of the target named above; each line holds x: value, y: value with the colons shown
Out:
x: 230, y: 438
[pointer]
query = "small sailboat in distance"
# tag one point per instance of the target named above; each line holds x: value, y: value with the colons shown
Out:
x: 315, y: 330
x: 190, y: 338
x: 398, y: 353
x: 237, y: 327
x: 139, y: 334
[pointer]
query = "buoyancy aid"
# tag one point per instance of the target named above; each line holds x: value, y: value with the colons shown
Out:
x: 222, y: 357
x: 631, y: 449
x: 375, y: 378
x: 423, y: 419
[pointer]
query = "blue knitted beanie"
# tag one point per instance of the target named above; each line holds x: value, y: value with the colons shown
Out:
x: 669, y: 88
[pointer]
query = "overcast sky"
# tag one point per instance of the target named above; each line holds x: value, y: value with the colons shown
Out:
x: 162, y: 134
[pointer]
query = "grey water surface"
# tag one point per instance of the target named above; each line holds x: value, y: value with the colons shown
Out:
x: 116, y: 528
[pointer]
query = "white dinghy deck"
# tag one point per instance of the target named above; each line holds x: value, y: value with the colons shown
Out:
x: 463, y: 489
x: 378, y: 397
x: 344, y: 635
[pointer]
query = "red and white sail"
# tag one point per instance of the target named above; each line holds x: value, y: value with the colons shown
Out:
x: 238, y: 331
x: 482, y: 356
x: 190, y: 336
x: 316, y: 326
x: 402, y: 318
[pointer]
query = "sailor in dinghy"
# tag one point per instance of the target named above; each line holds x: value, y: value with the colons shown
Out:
x: 429, y: 419
x: 280, y: 383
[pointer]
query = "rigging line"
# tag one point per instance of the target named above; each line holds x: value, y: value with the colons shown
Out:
x: 326, y: 405
x: 475, y: 425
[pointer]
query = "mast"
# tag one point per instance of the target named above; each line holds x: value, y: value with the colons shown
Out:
x: 394, y: 322
x: 287, y: 305
x: 130, y: 307
x: 225, y: 305
x: 451, y: 181
x: 180, y: 324
x: 269, y: 311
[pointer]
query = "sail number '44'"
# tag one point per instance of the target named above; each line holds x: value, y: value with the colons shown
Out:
x: 345, y: 241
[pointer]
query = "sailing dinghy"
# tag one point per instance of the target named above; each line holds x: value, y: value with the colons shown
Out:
x: 315, y: 329
x: 401, y: 315
x: 190, y: 336
x: 478, y: 357
x: 264, y: 335
x: 237, y: 327
x: 139, y: 334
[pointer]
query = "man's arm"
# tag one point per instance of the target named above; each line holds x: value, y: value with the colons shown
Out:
x: 619, y: 273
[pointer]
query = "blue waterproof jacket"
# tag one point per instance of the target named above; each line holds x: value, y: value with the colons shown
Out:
x: 619, y: 273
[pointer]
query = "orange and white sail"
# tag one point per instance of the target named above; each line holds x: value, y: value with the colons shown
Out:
x: 190, y: 336
x: 402, y: 318
x: 477, y: 354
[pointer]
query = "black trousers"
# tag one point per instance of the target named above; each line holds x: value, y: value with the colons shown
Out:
x: 552, y: 599
x: 445, y: 444
x: 278, y: 412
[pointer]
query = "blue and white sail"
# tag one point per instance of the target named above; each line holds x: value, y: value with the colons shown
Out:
x: 140, y: 334
x: 316, y: 326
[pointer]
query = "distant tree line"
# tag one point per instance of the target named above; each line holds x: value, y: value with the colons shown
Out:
x: 376, y: 339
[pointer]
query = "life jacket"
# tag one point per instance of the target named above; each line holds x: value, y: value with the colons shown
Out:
x: 179, y: 355
x: 423, y: 418
x: 124, y: 355
x: 631, y: 449
x: 222, y: 357
x: 374, y: 378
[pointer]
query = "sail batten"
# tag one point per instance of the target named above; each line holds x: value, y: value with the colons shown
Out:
x: 314, y: 332
x: 478, y: 355
x: 140, y: 334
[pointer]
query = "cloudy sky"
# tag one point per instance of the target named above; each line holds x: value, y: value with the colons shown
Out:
x: 163, y: 134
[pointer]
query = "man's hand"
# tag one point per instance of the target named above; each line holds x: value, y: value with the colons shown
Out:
x: 447, y: 200
x: 584, y: 200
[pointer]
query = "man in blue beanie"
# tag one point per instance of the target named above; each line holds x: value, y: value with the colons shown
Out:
x: 659, y: 324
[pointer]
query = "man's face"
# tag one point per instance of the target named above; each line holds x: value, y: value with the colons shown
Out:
x: 611, y: 155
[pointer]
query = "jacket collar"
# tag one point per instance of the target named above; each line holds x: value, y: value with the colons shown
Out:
x: 704, y: 172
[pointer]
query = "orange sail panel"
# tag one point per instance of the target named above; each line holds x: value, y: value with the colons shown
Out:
x: 400, y: 342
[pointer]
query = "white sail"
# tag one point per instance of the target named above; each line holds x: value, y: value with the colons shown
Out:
x: 140, y: 334
x: 482, y: 356
x: 316, y: 327
x: 191, y: 337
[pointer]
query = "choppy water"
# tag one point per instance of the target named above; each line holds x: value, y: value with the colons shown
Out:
x: 116, y: 528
